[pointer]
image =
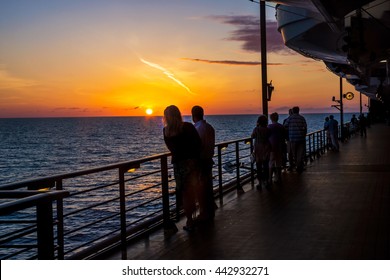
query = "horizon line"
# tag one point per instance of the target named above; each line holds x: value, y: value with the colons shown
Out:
x: 184, y: 115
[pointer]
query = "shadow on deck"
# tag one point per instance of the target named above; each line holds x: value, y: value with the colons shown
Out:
x: 339, y: 208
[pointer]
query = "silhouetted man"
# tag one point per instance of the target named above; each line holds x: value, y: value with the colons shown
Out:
x: 297, y: 129
x: 207, y: 135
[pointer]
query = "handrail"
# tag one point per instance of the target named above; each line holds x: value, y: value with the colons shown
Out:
x: 26, y: 200
x: 50, y: 180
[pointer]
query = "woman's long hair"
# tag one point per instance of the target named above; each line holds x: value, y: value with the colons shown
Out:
x: 173, y: 121
x: 262, y: 121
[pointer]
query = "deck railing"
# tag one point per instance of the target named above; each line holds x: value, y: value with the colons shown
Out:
x: 107, y: 206
x: 96, y: 210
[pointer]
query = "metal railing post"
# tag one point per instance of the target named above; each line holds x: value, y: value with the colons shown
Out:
x: 45, y: 236
x: 168, y: 224
x: 252, y: 165
x: 60, y: 222
x: 122, y: 202
x: 310, y: 152
x: 220, y: 186
x: 238, y: 186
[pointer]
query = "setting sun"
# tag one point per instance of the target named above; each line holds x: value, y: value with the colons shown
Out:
x: 149, y: 111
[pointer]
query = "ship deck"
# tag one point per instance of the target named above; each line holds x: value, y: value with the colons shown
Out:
x: 338, y: 208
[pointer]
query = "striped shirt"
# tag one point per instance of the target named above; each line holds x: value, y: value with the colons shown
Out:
x: 297, y: 128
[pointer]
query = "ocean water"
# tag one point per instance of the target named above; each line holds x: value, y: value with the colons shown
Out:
x: 40, y: 147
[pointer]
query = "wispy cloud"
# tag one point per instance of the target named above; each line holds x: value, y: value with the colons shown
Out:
x: 68, y: 109
x: 75, y: 110
x: 248, y: 32
x: 167, y: 73
x: 230, y: 62
x: 227, y: 62
x: 8, y: 81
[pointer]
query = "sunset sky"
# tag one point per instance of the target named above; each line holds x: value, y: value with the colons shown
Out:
x: 122, y: 57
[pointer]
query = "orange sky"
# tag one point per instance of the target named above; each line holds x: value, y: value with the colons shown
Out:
x: 119, y: 58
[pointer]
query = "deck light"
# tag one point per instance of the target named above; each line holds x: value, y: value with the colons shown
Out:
x: 223, y: 146
x: 133, y: 167
x: 349, y: 95
x: 41, y: 185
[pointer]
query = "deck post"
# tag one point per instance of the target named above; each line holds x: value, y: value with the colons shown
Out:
x: 122, y: 203
x: 341, y: 111
x: 169, y: 225
x: 45, y: 236
x: 263, y: 44
x: 60, y: 222
x: 252, y: 165
x: 220, y: 186
x: 238, y: 186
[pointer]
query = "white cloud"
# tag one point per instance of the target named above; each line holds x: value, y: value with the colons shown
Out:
x: 167, y: 73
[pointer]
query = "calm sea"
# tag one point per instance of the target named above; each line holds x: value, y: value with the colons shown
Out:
x: 37, y: 147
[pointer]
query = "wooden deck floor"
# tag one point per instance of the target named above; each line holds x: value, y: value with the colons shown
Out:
x: 339, y: 208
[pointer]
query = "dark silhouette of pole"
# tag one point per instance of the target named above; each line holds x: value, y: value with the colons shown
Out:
x: 263, y: 43
x: 341, y: 110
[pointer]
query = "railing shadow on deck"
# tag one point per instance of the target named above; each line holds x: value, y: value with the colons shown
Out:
x: 92, y: 211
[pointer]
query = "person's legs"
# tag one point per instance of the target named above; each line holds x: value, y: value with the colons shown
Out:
x: 300, y: 154
x: 278, y: 163
x: 206, y: 193
x: 271, y: 167
x: 259, y: 167
x: 290, y: 156
x: 294, y: 153
x: 265, y: 176
x: 187, y: 182
x: 210, y: 203
x: 189, y: 207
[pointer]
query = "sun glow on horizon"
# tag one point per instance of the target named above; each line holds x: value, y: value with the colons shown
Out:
x: 149, y: 111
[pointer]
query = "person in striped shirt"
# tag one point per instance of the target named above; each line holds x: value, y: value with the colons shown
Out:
x: 297, y: 130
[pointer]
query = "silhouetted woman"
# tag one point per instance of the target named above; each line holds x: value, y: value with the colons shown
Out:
x: 184, y: 142
x: 262, y: 149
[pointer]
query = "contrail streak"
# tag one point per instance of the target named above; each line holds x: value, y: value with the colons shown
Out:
x: 167, y: 73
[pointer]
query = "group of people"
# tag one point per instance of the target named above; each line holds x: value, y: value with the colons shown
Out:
x: 331, y: 127
x: 192, y: 149
x: 360, y: 124
x: 275, y: 142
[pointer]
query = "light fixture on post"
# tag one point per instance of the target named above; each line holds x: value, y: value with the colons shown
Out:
x: 270, y: 89
x: 349, y: 95
x: 337, y: 101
